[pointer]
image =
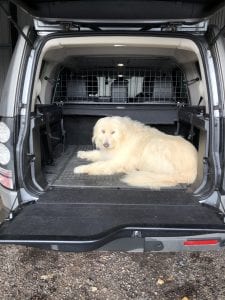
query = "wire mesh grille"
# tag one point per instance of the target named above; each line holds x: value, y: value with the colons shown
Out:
x: 122, y: 85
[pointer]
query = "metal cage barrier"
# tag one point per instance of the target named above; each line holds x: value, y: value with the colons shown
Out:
x: 122, y: 85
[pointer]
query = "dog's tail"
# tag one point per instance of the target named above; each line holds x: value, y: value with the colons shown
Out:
x: 155, y: 180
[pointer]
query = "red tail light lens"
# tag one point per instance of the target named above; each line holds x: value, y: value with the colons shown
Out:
x: 6, y: 178
x: 201, y: 242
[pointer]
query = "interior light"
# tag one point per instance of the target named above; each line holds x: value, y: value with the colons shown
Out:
x: 119, y: 45
x: 120, y: 65
x: 120, y: 75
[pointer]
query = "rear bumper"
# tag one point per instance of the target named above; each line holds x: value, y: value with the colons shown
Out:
x: 165, y: 244
x: 128, y: 239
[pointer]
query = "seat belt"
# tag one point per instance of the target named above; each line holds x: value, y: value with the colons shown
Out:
x: 63, y: 134
x: 49, y: 137
x: 191, y: 132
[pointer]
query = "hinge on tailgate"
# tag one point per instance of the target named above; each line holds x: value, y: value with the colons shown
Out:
x: 195, y: 28
x: 69, y: 25
x: 170, y: 27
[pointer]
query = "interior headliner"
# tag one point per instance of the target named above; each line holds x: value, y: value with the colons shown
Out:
x: 63, y: 55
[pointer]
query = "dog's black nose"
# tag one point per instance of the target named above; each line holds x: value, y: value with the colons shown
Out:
x: 106, y: 145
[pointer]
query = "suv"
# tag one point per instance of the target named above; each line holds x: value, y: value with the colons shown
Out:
x: 159, y: 62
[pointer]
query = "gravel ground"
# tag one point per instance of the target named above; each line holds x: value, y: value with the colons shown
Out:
x: 29, y: 273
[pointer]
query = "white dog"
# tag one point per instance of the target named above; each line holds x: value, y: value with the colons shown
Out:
x: 149, y: 157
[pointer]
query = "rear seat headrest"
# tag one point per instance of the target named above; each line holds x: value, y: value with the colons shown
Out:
x: 77, y: 88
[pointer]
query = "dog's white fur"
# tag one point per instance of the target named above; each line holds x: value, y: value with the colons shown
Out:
x: 149, y: 157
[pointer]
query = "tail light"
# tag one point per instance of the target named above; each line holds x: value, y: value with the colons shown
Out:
x: 4, y: 154
x: 212, y: 242
x: 6, y: 178
x: 7, y: 164
x: 4, y: 133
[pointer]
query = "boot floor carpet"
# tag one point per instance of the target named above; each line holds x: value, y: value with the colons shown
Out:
x: 91, y: 212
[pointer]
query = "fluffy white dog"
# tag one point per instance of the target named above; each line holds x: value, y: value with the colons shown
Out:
x: 149, y: 157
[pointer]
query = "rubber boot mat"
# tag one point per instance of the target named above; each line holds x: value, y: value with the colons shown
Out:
x: 61, y: 173
x: 67, y: 177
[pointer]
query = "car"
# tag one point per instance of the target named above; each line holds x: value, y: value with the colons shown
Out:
x: 157, y: 62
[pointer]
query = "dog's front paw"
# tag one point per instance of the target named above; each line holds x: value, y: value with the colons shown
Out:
x: 82, y: 154
x: 80, y: 170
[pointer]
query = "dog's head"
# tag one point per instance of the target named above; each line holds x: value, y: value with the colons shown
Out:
x: 109, y: 133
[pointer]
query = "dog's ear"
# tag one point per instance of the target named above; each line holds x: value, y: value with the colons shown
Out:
x: 93, y: 139
x: 95, y: 132
x: 94, y: 136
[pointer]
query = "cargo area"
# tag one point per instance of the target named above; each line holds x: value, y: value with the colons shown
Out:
x: 75, y: 85
x: 160, y: 87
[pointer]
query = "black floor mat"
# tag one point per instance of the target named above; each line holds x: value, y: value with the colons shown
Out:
x: 67, y: 178
x: 92, y: 212
x: 61, y: 173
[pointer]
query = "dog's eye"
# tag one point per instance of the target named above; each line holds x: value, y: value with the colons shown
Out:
x: 112, y: 132
x: 103, y: 131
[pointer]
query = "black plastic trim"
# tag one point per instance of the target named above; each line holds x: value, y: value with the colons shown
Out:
x: 119, y: 11
x: 95, y: 243
x: 149, y: 113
